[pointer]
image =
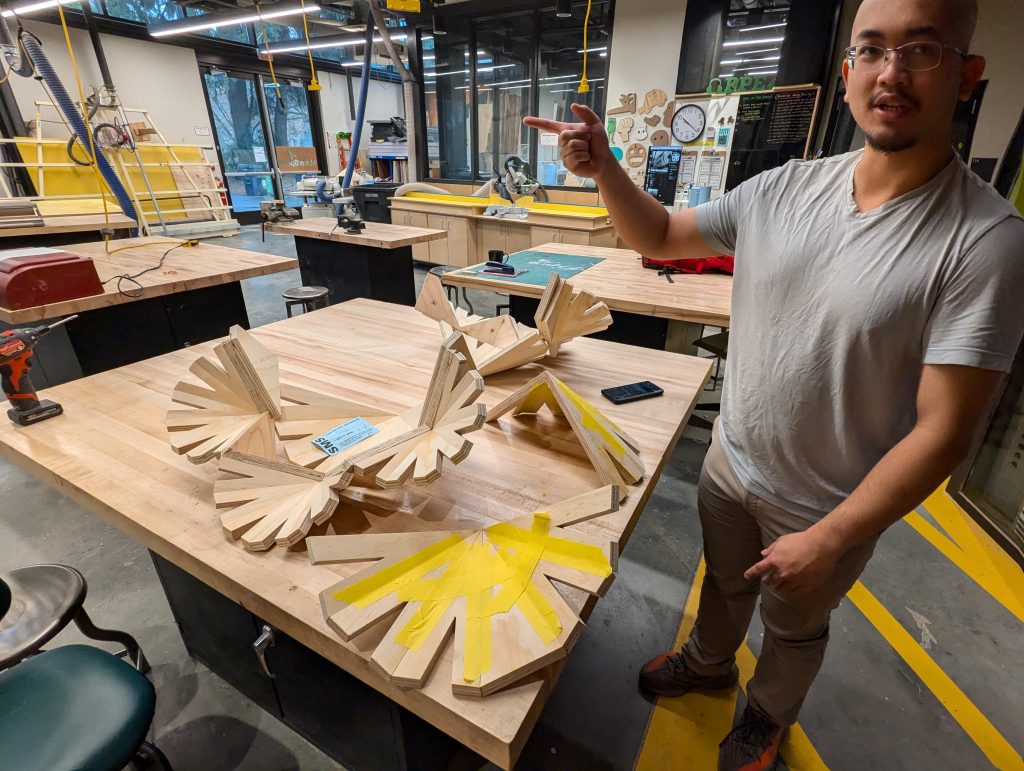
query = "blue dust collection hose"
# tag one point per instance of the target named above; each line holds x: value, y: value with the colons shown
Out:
x: 364, y: 87
x: 45, y: 70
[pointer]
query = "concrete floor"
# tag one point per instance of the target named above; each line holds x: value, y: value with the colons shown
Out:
x: 869, y: 709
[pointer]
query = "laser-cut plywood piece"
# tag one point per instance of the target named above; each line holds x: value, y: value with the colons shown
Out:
x: 410, y: 445
x: 562, y: 315
x: 237, y: 407
x: 500, y: 343
x: 274, y: 501
x: 491, y: 587
x: 613, y: 453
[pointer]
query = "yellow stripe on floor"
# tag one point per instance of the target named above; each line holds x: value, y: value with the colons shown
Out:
x: 999, y: 751
x: 972, y: 550
x: 684, y: 732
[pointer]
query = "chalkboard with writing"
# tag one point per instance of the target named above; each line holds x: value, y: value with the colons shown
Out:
x: 771, y: 129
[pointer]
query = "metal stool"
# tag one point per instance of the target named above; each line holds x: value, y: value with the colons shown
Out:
x: 309, y: 297
x: 453, y: 291
x: 45, y: 599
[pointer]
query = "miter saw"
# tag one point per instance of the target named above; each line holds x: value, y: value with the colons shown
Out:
x: 518, y: 181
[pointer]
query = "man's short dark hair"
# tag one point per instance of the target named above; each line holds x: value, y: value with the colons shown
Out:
x: 964, y: 15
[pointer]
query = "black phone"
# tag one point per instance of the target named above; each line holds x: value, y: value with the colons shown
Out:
x: 632, y: 392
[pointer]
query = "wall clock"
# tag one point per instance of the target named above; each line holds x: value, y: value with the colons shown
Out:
x: 688, y: 123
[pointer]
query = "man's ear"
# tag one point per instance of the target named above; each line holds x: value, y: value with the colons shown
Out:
x: 974, y: 68
x: 846, y: 80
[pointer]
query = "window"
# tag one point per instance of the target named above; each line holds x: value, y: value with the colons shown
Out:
x: 561, y: 65
x: 239, y: 33
x: 519, y: 63
x: 140, y: 10
x: 504, y: 73
x: 752, y: 40
x: 448, y: 104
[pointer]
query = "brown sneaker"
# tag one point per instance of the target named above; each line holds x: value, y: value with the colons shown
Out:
x: 669, y: 675
x: 753, y: 745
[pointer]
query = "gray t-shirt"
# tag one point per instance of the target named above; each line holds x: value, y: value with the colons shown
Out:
x: 835, y: 311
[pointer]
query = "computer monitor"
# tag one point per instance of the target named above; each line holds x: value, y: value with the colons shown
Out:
x: 663, y: 173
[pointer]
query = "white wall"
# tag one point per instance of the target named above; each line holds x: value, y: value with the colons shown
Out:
x: 646, y: 42
x: 383, y: 100
x: 163, y: 79
x: 998, y: 40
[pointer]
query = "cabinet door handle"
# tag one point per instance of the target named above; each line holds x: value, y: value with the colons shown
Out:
x: 264, y: 641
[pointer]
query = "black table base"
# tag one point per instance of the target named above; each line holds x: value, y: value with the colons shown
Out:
x: 351, y: 271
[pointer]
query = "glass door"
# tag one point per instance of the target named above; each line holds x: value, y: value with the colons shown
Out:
x: 241, y: 141
x: 291, y: 132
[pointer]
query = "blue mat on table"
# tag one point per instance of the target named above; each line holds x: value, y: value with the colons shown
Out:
x: 540, y: 265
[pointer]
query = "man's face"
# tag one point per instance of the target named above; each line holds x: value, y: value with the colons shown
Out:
x: 896, y: 108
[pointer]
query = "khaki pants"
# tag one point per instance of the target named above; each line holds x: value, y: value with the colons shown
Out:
x: 736, y: 527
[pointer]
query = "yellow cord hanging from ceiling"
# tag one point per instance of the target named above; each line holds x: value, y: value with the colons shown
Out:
x: 270, y: 60
x: 584, y: 86
x: 313, y: 85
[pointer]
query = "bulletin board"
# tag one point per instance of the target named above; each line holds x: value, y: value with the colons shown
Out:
x: 746, y: 134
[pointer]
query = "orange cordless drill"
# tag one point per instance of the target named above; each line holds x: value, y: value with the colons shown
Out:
x: 16, y: 349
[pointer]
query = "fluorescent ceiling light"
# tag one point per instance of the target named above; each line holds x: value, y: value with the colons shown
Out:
x: 211, y: 20
x: 429, y: 57
x: 747, y: 61
x: 32, y: 7
x: 439, y: 73
x: 763, y: 71
x: 758, y: 42
x: 494, y: 67
x: 762, y: 26
x: 325, y: 41
x: 602, y: 48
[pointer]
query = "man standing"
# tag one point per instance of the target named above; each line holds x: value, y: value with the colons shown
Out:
x: 876, y: 306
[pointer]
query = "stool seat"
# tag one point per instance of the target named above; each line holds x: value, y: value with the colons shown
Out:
x: 44, y: 599
x: 73, y: 707
x: 309, y: 297
x: 305, y: 293
x: 717, y: 344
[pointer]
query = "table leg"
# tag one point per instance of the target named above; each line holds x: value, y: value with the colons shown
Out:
x: 628, y: 328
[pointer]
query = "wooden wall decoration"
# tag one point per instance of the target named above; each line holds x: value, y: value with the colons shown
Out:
x: 624, y: 129
x: 652, y: 120
x: 237, y: 408
x: 670, y: 111
x: 653, y: 98
x: 627, y: 105
x: 490, y: 589
x: 660, y: 138
x: 636, y: 155
x: 613, y: 453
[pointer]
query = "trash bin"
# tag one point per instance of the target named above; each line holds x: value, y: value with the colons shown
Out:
x: 372, y: 201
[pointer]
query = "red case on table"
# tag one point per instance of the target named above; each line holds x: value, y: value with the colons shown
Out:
x: 43, y: 279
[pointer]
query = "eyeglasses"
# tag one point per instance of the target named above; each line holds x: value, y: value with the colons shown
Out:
x: 914, y: 57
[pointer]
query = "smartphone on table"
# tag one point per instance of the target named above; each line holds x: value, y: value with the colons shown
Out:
x: 632, y: 392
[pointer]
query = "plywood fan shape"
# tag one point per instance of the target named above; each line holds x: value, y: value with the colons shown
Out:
x: 237, y: 407
x: 614, y: 454
x: 500, y: 343
x: 233, y: 418
x: 490, y: 588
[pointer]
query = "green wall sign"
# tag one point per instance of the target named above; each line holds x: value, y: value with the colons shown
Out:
x: 743, y: 83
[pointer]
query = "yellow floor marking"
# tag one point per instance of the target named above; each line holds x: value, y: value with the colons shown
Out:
x: 684, y: 732
x: 999, y: 751
x: 972, y: 550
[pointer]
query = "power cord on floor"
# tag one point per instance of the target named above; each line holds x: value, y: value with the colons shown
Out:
x: 133, y: 277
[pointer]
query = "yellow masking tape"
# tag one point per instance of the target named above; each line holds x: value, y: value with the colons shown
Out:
x: 594, y: 420
x: 383, y: 582
x: 539, y: 613
x: 476, y: 655
x: 422, y: 623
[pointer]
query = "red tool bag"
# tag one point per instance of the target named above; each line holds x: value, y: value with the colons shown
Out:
x: 692, y: 264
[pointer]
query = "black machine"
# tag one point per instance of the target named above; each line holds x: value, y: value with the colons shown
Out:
x: 663, y: 173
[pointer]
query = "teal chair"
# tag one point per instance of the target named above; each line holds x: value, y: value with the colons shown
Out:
x: 74, y: 708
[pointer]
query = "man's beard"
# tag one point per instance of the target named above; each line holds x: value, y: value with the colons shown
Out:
x: 889, y: 146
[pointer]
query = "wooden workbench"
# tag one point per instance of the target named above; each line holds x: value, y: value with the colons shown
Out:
x: 375, y: 263
x: 626, y: 286
x: 195, y: 296
x: 109, y: 452
x: 471, y: 234
x: 68, y: 223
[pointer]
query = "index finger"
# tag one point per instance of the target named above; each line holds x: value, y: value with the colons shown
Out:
x: 546, y: 124
x: 759, y: 569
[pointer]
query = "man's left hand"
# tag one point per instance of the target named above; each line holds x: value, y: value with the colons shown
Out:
x: 796, y: 563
